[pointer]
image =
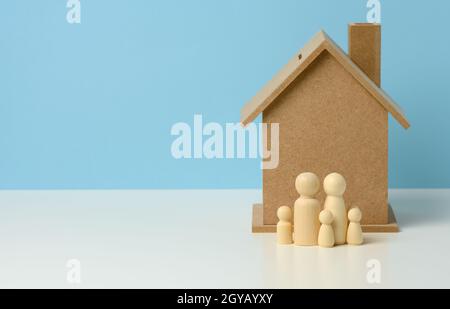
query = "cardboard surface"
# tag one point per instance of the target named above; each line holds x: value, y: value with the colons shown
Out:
x: 259, y: 227
x: 298, y: 65
x: 329, y: 123
x: 364, y: 48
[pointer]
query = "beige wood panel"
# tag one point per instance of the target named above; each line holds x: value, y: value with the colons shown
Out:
x: 329, y: 123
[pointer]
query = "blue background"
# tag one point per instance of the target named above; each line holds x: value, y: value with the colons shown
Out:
x: 91, y: 105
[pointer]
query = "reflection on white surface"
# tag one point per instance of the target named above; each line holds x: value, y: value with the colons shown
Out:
x: 202, y: 239
x: 306, y: 267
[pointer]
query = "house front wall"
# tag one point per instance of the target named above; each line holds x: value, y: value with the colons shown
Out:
x: 329, y: 123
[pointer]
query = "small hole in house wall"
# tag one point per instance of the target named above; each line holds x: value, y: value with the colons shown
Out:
x: 300, y: 57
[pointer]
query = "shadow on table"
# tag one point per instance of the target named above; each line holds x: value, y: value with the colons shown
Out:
x: 427, y: 208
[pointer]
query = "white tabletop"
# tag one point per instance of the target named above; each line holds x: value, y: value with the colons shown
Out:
x: 202, y: 239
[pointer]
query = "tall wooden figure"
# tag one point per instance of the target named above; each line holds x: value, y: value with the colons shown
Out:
x: 306, y: 210
x: 284, y: 226
x: 334, y: 186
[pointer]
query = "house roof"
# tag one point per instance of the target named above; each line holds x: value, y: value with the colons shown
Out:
x: 298, y: 64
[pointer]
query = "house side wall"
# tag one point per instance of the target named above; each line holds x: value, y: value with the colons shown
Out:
x: 329, y: 123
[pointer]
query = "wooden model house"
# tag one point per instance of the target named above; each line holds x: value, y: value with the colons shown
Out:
x: 333, y: 117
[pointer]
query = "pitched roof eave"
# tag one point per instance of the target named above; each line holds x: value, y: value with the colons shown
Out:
x: 298, y: 64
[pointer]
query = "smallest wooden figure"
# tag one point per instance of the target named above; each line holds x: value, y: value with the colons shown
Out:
x: 326, y: 233
x: 354, y: 232
x: 284, y: 226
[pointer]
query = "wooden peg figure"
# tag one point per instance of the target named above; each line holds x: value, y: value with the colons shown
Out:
x: 354, y: 233
x: 326, y: 233
x: 334, y: 186
x: 306, y: 210
x: 284, y: 226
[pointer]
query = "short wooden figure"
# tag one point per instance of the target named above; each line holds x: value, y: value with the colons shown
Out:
x: 306, y: 210
x: 334, y: 186
x: 354, y: 233
x: 284, y: 226
x: 326, y: 233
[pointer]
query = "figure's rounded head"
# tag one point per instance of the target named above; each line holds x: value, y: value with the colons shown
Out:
x: 284, y: 213
x: 355, y: 215
x: 334, y: 184
x: 307, y: 184
x: 326, y: 217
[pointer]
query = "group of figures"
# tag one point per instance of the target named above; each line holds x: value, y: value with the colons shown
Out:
x: 312, y: 226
